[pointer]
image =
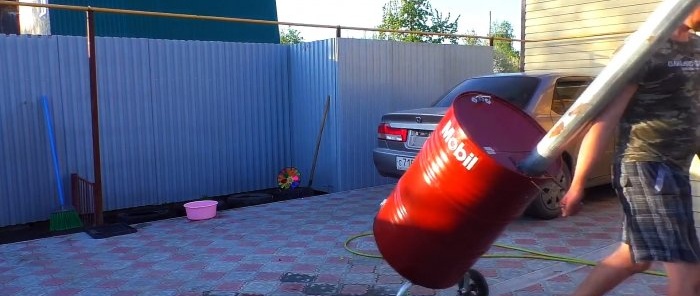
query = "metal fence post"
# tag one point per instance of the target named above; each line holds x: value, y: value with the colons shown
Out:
x: 94, y: 108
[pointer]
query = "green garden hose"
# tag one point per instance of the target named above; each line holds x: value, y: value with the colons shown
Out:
x: 529, y: 254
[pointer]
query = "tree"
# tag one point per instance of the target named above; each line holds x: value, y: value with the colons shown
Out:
x: 506, y: 58
x: 473, y: 40
x: 416, y: 15
x: 290, y: 36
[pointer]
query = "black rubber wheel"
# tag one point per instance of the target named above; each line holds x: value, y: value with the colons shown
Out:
x: 473, y: 284
x: 546, y: 205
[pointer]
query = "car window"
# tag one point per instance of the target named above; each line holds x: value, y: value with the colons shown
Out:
x: 565, y: 94
x: 515, y: 89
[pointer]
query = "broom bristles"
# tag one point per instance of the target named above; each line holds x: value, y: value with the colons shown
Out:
x: 64, y: 220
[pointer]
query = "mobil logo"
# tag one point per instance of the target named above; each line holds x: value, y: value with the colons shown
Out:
x: 465, y: 157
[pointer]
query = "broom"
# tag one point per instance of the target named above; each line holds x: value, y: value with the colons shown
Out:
x: 65, y: 217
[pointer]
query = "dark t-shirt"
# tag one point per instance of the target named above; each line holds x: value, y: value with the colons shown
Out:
x: 661, y: 121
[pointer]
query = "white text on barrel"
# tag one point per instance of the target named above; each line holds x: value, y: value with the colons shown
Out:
x: 467, y: 159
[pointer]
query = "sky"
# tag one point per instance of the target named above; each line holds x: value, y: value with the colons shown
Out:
x: 474, y: 14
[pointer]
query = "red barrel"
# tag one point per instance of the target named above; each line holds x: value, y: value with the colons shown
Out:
x: 461, y: 191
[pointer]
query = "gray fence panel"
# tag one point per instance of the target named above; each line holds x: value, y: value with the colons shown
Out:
x: 182, y: 120
x: 376, y: 77
x: 313, y: 75
x: 179, y: 120
x: 27, y: 184
x: 126, y: 123
x: 220, y: 115
x: 75, y: 106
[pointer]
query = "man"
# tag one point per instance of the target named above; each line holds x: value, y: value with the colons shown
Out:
x: 656, y: 115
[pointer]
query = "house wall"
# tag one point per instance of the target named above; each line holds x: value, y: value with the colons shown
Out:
x: 552, y: 28
x: 64, y: 22
x: 9, y: 20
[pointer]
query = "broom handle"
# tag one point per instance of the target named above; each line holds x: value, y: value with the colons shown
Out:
x: 318, y: 140
x: 52, y: 143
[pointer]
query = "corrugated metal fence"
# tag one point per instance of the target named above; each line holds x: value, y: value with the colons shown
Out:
x: 380, y: 76
x: 186, y: 119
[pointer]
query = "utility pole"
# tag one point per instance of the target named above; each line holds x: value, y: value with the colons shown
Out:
x: 489, y: 23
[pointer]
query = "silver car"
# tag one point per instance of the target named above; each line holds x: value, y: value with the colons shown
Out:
x: 543, y: 95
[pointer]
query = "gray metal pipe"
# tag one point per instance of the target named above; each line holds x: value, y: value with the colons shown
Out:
x: 604, y: 88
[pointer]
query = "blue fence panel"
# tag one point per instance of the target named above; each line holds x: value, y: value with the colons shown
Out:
x: 376, y: 77
x: 313, y: 74
x: 75, y: 106
x: 220, y: 117
x: 126, y: 123
x: 27, y: 184
x: 180, y: 120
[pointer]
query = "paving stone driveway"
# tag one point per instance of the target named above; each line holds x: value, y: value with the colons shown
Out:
x: 296, y: 248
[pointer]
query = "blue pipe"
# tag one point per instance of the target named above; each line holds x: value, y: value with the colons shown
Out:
x: 54, y: 154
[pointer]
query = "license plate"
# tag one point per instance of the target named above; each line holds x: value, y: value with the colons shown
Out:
x: 402, y: 163
x: 416, y: 139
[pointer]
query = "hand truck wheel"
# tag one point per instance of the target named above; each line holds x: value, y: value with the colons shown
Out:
x: 473, y: 284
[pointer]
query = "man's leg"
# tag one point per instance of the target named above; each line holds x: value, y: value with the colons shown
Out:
x: 683, y: 279
x: 610, y: 272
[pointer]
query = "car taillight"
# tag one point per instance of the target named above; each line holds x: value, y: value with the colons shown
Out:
x: 392, y: 134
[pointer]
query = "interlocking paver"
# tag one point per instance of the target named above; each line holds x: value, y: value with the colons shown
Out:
x: 293, y: 248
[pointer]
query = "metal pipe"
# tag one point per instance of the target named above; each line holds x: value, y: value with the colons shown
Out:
x: 604, y: 88
x: 235, y: 20
x: 95, y: 111
x: 267, y: 22
x: 403, y: 290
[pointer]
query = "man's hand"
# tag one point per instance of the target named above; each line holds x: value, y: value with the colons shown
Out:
x: 571, y: 203
x: 593, y: 145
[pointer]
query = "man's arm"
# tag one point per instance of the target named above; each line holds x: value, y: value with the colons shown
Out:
x: 592, y: 145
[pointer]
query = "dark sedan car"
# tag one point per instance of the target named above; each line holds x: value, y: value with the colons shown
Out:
x: 545, y: 96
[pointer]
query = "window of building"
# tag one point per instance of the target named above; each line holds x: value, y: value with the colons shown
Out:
x: 9, y: 19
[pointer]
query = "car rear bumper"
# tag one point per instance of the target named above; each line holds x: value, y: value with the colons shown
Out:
x: 385, y: 161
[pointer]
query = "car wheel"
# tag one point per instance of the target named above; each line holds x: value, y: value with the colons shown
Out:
x: 546, y: 205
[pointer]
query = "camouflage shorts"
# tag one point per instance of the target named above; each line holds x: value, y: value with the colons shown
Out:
x: 657, y: 202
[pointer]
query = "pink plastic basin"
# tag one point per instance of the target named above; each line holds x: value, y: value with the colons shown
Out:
x: 201, y: 209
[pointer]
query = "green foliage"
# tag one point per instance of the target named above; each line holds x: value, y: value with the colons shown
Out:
x: 506, y: 58
x: 290, y: 36
x: 473, y: 40
x: 416, y: 15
